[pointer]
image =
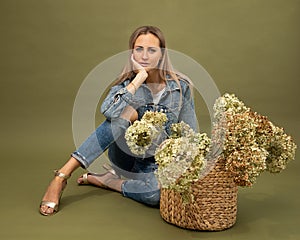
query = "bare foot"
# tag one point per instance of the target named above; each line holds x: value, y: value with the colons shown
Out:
x: 52, y: 194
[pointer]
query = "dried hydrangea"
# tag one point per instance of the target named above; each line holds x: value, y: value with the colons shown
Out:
x: 181, y: 158
x: 246, y: 165
x: 158, y: 119
x: 251, y: 143
x: 282, y: 150
x: 142, y: 133
x: 181, y: 129
x: 264, y: 131
x: 228, y: 103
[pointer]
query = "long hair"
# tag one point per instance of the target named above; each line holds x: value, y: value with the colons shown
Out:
x: 165, y: 67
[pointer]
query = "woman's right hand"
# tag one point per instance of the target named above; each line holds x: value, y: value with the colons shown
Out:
x: 139, y: 68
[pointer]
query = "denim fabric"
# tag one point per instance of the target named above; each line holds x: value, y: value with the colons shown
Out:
x: 179, y: 102
x: 99, y: 141
x: 142, y: 185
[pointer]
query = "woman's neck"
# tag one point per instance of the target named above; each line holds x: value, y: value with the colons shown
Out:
x: 153, y: 77
x: 155, y: 82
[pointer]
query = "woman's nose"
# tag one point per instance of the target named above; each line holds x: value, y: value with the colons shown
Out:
x: 145, y: 54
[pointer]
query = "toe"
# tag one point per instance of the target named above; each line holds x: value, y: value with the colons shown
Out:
x: 79, y: 180
x: 49, y: 210
x: 83, y: 179
x: 45, y: 210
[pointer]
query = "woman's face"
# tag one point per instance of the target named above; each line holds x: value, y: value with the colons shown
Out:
x: 146, y: 51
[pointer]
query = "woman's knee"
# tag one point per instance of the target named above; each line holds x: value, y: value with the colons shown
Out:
x: 141, y: 191
x: 151, y: 198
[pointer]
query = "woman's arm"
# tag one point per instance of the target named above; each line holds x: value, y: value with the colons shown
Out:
x: 121, y: 95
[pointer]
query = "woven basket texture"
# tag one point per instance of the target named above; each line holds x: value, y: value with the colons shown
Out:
x: 215, y: 202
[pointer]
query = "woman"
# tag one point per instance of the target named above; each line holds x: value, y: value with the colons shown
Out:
x: 147, y: 83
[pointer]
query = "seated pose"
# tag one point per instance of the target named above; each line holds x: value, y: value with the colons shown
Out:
x: 147, y: 83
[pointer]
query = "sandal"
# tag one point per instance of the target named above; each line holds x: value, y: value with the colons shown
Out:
x: 54, y: 205
x: 107, y: 167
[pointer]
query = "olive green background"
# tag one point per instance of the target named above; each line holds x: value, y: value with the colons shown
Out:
x: 249, y: 47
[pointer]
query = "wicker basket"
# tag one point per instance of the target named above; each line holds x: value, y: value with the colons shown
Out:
x: 214, y: 207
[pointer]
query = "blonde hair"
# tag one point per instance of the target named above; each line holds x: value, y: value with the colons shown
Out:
x: 165, y: 67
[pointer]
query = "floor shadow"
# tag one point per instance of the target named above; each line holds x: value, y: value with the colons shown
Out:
x: 71, y: 199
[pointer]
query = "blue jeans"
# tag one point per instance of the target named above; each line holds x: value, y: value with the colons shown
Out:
x: 142, y: 185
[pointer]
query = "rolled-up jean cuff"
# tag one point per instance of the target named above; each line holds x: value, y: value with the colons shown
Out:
x: 122, y: 189
x: 80, y: 159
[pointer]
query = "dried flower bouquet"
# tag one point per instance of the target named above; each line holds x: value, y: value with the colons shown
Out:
x: 249, y: 142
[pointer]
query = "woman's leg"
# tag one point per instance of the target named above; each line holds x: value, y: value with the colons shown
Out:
x: 56, y: 186
x: 142, y: 185
x: 92, y: 148
x: 143, y: 188
x: 100, y: 140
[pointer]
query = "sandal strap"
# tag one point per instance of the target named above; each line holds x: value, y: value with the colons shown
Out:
x: 61, y: 175
x: 109, y: 168
x: 85, y: 178
x: 52, y: 205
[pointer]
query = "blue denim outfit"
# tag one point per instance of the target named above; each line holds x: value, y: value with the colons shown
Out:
x: 142, y: 185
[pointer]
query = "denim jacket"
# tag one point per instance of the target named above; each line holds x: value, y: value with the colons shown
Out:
x: 178, y: 105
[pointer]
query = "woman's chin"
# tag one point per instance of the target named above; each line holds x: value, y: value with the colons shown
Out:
x: 150, y: 69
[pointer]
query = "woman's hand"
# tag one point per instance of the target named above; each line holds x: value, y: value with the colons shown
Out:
x: 139, y: 68
x: 140, y: 77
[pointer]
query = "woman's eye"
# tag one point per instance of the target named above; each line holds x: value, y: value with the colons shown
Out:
x: 152, y: 50
x: 139, y: 49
